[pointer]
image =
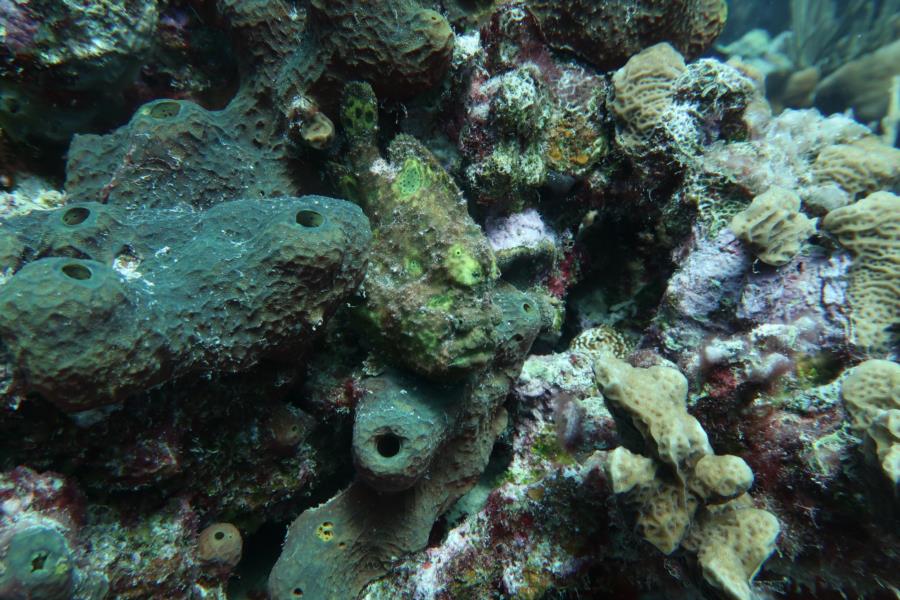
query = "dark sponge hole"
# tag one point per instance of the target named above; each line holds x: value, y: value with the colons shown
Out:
x: 310, y: 218
x: 38, y: 561
x: 76, y: 216
x: 298, y: 592
x: 388, y: 445
x: 165, y: 110
x: 75, y: 271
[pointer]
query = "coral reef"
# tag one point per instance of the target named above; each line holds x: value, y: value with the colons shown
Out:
x: 457, y: 299
x: 532, y: 121
x: 731, y: 537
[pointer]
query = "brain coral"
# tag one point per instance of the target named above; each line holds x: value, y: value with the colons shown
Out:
x: 773, y: 226
x: 643, y: 91
x: 608, y: 33
x: 870, y: 229
x: 859, y: 168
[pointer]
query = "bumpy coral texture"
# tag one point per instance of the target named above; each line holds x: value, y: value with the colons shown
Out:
x: 773, y: 226
x: 871, y: 394
x: 101, y: 313
x: 870, y: 229
x: 705, y: 507
x: 859, y: 168
x: 732, y: 542
x: 608, y: 33
x: 643, y: 92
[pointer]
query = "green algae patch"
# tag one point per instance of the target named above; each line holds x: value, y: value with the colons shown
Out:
x: 440, y: 302
x: 462, y: 266
x: 410, y: 180
x: 359, y: 113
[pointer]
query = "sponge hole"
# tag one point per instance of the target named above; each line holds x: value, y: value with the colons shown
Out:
x: 388, y: 445
x: 76, y: 271
x: 310, y: 218
x: 76, y: 216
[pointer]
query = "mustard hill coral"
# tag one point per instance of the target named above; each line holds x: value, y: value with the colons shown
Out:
x: 732, y: 541
x: 773, y: 226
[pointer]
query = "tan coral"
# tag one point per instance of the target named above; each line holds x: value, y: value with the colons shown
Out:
x: 644, y: 88
x: 732, y: 542
x: 859, y: 168
x: 721, y: 477
x: 870, y: 229
x: 731, y: 538
x: 654, y: 400
x: 773, y: 226
x: 871, y: 394
x: 628, y: 470
x: 664, y: 510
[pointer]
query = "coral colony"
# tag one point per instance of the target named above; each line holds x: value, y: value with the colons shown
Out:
x: 471, y: 299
